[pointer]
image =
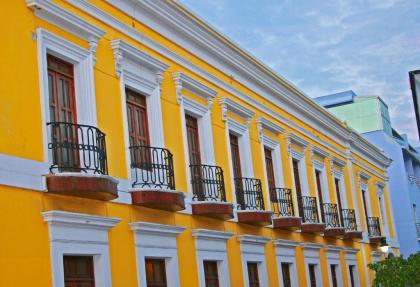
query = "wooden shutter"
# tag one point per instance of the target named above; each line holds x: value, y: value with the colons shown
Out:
x: 298, y: 189
x: 155, y: 272
x: 193, y: 140
x: 320, y: 198
x: 270, y: 169
x: 253, y: 274
x: 236, y: 160
x: 211, y: 275
x: 78, y: 271
x: 285, y: 271
x: 312, y: 276
x: 339, y: 203
x: 138, y: 128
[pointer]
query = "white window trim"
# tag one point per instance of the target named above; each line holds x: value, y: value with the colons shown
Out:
x: 320, y: 166
x: 311, y: 253
x: 202, y: 113
x: 79, y: 234
x: 252, y: 250
x: 157, y: 241
x: 274, y: 146
x: 82, y: 59
x: 142, y: 73
x: 333, y: 258
x: 351, y: 259
x: 380, y: 191
x: 211, y: 245
x: 286, y: 253
x: 365, y: 188
x: 376, y: 256
x: 300, y: 157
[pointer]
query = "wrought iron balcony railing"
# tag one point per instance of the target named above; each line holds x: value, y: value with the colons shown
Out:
x: 331, y: 215
x: 208, y: 183
x: 349, y: 219
x: 308, y: 209
x: 374, y: 228
x: 77, y: 148
x: 152, y: 167
x: 249, y: 194
x: 282, y: 201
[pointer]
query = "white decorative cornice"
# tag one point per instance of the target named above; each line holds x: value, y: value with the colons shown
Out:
x: 211, y: 234
x: 317, y: 150
x: 350, y: 250
x: 157, y: 229
x: 229, y: 105
x: 334, y: 161
x: 79, y: 220
x: 298, y: 140
x: 124, y: 51
x: 185, y: 82
x: 253, y: 239
x: 286, y: 243
x: 70, y: 22
x: 312, y: 246
x: 380, y: 188
x: 264, y: 124
x: 333, y: 248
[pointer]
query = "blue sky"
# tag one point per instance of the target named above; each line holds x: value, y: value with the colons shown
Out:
x: 325, y: 47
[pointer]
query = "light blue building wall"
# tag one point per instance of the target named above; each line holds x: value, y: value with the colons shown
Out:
x: 370, y: 117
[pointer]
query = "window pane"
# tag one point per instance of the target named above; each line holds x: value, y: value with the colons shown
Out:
x: 78, y: 271
x: 211, y: 275
x: 155, y: 272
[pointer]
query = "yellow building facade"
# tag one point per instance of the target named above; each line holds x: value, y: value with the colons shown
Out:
x: 141, y: 147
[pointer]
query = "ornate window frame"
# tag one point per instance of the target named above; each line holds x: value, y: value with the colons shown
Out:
x: 82, y: 59
x: 79, y: 234
x: 143, y: 73
x: 201, y: 112
x: 311, y: 252
x: 211, y: 245
x: 252, y: 250
x: 320, y: 166
x: 333, y: 257
x: 286, y: 253
x: 158, y: 241
x: 351, y: 259
x: 301, y: 158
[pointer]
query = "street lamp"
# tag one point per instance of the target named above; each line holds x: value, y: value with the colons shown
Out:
x: 384, y: 247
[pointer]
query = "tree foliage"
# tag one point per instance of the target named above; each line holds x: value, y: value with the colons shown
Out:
x: 397, y: 272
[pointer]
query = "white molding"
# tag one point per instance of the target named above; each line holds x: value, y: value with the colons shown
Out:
x: 157, y: 241
x: 264, y: 124
x: 295, y: 139
x: 185, y: 82
x: 229, y: 105
x: 70, y: 22
x: 82, y: 59
x: 123, y: 50
x: 319, y: 151
x: 236, y: 128
x: 211, y: 245
x: 23, y: 173
x: 79, y: 234
x: 194, y: 108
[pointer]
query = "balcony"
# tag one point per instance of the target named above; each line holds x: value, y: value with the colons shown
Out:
x: 350, y: 224
x: 209, y: 196
x: 308, y: 210
x: 152, y: 171
x: 282, y: 206
x: 374, y: 230
x: 79, y: 162
x: 332, y: 220
x: 249, y: 196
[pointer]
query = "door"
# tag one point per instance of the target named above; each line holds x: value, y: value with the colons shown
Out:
x: 298, y: 187
x: 270, y: 174
x: 319, y: 189
x: 195, y: 156
x: 155, y: 272
x: 237, y: 173
x: 211, y: 274
x: 138, y: 130
x: 78, y: 271
x: 339, y: 202
x: 62, y: 105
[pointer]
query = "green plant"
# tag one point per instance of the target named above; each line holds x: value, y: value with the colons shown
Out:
x: 397, y: 272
